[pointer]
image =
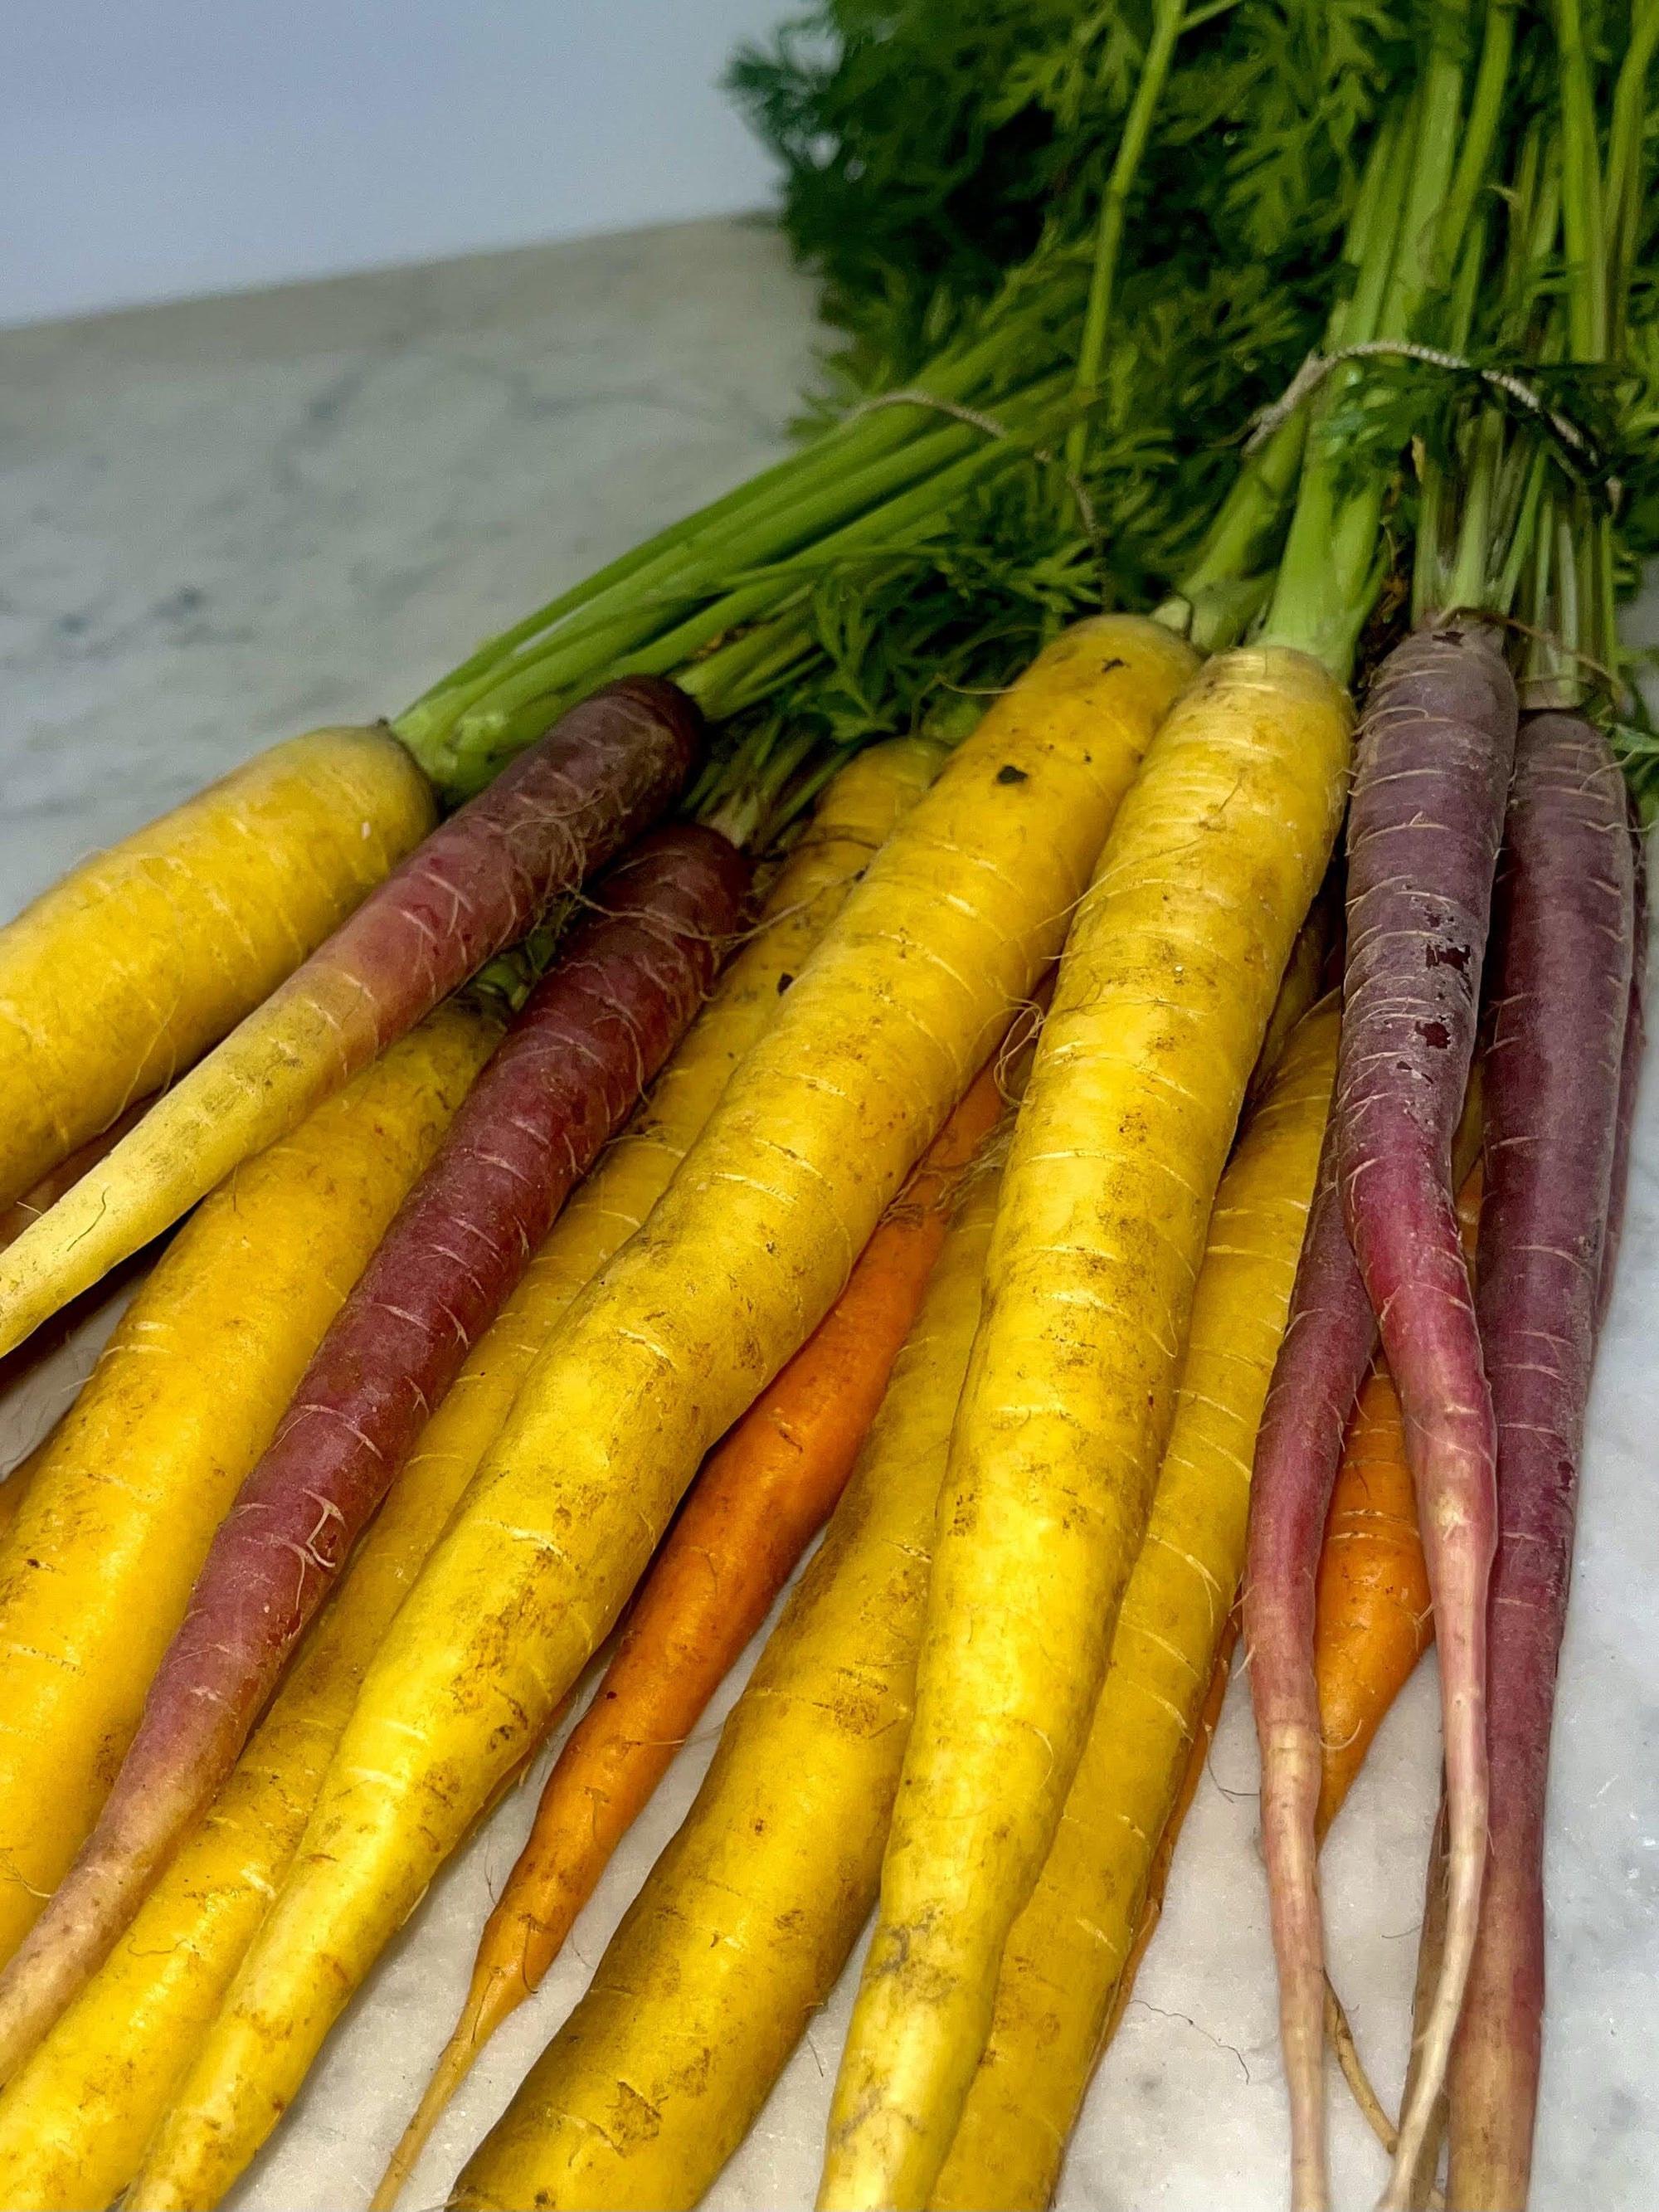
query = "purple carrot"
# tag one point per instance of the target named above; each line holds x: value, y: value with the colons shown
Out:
x: 1553, y: 1097
x: 1436, y: 749
x: 1326, y: 1348
x: 1630, y: 1072
x: 605, y: 772
x: 589, y: 1039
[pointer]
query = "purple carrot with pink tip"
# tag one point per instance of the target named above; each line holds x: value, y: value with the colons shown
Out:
x: 1323, y: 1359
x: 1435, y: 752
x: 1435, y: 756
x: 1559, y: 1080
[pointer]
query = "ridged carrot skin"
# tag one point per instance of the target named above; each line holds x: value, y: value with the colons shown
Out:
x: 74, y: 2121
x: 1436, y: 749
x: 603, y: 774
x: 759, y: 1498
x: 1562, y: 948
x: 1373, y: 1618
x: 1171, y: 968
x: 748, y: 1249
x: 1068, y: 1952
x: 96, y: 1572
x: 594, y: 1029
x: 120, y: 976
x: 748, y: 1917
x: 25, y: 1211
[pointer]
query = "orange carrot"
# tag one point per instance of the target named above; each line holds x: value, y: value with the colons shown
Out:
x: 762, y: 1495
x: 1373, y: 1620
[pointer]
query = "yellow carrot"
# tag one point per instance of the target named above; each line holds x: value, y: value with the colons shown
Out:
x: 120, y: 976
x: 14, y: 1486
x: 1164, y: 995
x: 478, y: 883
x: 875, y: 1041
x: 1069, y: 1947
x: 749, y: 1914
x: 74, y: 2122
x: 96, y: 1571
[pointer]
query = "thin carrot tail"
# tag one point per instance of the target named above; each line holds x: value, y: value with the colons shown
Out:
x: 1287, y: 1836
x: 486, y: 2008
x: 1465, y: 1815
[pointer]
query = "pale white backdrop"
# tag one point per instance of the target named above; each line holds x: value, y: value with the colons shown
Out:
x: 160, y: 150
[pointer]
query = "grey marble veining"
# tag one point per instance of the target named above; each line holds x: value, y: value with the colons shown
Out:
x: 228, y: 521
x: 220, y: 523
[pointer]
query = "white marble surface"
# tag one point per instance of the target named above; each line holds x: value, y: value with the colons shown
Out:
x: 222, y: 522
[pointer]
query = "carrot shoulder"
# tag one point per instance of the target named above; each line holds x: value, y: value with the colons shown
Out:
x: 600, y: 776
x: 117, y: 978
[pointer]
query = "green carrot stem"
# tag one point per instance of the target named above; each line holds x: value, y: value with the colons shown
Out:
x: 1425, y: 237
x: 1242, y: 539
x: 1327, y: 576
x: 521, y: 703
x: 1470, y: 583
x: 1621, y: 212
x: 629, y: 613
x: 860, y: 441
x: 1108, y: 235
x: 1581, y: 191
x: 1523, y: 539
x: 1469, y: 177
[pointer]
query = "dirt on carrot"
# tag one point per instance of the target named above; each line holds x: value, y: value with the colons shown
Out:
x: 954, y: 921
x: 759, y: 1498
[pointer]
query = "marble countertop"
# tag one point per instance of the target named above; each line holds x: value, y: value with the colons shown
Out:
x: 228, y: 520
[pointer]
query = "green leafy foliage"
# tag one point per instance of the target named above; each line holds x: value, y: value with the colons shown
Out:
x: 927, y: 146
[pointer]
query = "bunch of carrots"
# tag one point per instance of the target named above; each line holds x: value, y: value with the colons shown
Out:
x: 1031, y: 1155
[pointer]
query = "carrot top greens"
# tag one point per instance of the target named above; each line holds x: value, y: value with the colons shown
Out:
x: 1044, y: 418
